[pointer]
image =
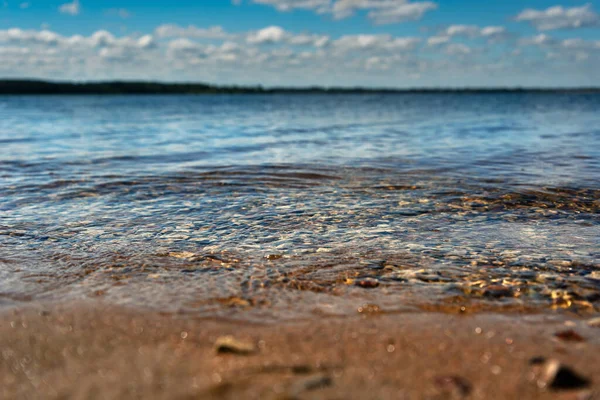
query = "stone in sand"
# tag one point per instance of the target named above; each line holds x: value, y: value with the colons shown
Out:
x: 229, y: 344
x: 553, y: 375
x: 314, y: 382
x: 569, y: 336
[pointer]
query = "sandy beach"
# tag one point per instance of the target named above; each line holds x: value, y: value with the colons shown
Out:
x: 95, y: 351
x: 309, y: 245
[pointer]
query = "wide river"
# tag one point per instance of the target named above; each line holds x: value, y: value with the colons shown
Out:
x: 293, y: 206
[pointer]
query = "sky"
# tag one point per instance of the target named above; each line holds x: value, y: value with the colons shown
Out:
x: 370, y: 43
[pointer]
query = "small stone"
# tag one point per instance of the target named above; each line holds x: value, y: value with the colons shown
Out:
x: 229, y: 344
x: 570, y: 336
x: 272, y: 257
x: 367, y: 283
x: 310, y: 383
x: 553, y: 375
x: 182, y: 254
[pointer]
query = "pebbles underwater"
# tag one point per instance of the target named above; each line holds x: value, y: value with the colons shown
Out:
x: 267, y: 251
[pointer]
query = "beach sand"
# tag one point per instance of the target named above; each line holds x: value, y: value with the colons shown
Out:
x: 96, y: 351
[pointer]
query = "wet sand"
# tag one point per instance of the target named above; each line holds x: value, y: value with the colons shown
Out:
x: 92, y: 350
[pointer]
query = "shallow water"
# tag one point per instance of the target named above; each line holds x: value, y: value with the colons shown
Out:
x: 271, y: 207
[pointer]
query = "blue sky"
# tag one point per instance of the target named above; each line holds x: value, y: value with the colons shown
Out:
x: 399, y: 43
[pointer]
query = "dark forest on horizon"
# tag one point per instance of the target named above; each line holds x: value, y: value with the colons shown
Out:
x: 40, y: 87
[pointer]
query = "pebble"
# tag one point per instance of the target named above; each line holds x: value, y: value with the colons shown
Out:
x: 553, y: 375
x: 229, y: 344
x: 310, y: 383
x: 182, y: 254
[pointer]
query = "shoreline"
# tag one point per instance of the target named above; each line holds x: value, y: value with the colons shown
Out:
x: 47, y: 87
x: 94, y: 350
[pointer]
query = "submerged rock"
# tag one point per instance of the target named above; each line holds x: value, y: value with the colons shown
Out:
x: 497, y: 291
x: 367, y: 283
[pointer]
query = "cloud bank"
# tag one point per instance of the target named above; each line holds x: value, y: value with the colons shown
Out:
x: 454, y: 55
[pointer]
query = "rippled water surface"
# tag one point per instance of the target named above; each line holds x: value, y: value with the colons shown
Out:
x: 270, y: 207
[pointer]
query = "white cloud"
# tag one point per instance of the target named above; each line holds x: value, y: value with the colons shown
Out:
x: 73, y: 8
x: 401, y: 13
x: 146, y: 42
x: 288, y: 5
x: 437, y: 40
x: 170, y: 30
x: 569, y: 52
x: 378, y: 11
x: 98, y: 39
x: 457, y: 49
x: 538, y: 40
x: 271, y: 34
x: 559, y: 17
x: 309, y: 39
x: 579, y: 43
x: 27, y: 37
x: 186, y: 50
x: 374, y: 43
x: 278, y: 35
x: 544, y: 41
x: 473, y: 31
x: 14, y: 51
x: 462, y: 30
x: 183, y: 44
x: 383, y: 11
x: 493, y: 31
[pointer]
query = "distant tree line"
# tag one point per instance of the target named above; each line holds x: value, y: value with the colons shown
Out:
x: 40, y: 87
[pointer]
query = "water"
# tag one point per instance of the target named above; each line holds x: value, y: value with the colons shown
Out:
x: 294, y: 206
